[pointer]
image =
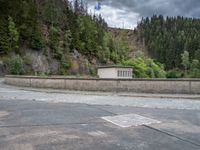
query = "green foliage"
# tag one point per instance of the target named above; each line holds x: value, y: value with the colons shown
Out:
x: 166, y: 38
x: 195, y: 69
x: 192, y: 69
x: 4, y: 40
x: 13, y: 35
x: 139, y: 66
x: 185, y: 60
x: 67, y: 40
x: 54, y: 42
x: 157, y: 69
x: 65, y: 64
x: 59, y: 26
x: 146, y: 68
x: 197, y: 55
x: 16, y: 65
x: 37, y: 41
x: 92, y: 70
x: 120, y: 50
x: 52, y: 12
x: 140, y: 54
x: 174, y: 74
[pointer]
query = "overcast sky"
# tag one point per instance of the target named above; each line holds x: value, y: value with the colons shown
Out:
x: 126, y: 13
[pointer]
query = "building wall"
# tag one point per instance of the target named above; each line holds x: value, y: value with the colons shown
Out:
x: 112, y: 73
x: 124, y: 73
x: 108, y: 73
x: 179, y: 86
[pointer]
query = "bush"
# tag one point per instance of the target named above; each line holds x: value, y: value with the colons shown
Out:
x: 195, y: 73
x: 16, y: 65
x: 146, y: 68
x: 174, y: 74
x: 157, y: 69
x: 195, y: 69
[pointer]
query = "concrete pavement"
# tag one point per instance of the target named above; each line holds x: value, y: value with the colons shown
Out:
x: 33, y: 120
x: 31, y: 125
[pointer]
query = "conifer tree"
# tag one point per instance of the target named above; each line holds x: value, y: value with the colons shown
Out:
x: 185, y: 60
x: 13, y: 35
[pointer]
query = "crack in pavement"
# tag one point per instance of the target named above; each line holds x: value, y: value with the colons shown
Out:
x: 172, y: 135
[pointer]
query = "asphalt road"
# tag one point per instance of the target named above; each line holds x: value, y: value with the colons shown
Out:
x: 32, y: 120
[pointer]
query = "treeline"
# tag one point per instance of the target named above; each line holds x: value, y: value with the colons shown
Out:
x: 167, y: 38
x: 59, y: 25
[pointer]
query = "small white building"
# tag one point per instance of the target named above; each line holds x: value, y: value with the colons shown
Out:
x: 115, y: 72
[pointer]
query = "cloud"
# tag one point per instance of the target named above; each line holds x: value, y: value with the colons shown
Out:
x: 116, y: 17
x: 130, y: 12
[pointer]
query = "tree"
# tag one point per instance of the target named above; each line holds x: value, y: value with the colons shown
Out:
x: 166, y: 38
x: 4, y: 40
x: 16, y: 65
x: 51, y: 12
x: 185, y: 60
x: 67, y: 40
x: 197, y: 55
x: 146, y: 68
x: 13, y: 35
x: 195, y: 69
x: 37, y: 40
x: 54, y: 42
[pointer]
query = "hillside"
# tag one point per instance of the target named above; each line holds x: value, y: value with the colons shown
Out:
x: 131, y: 38
x: 166, y: 39
x: 55, y: 37
x: 172, y: 41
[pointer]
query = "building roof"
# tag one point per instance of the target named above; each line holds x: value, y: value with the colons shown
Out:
x: 114, y: 66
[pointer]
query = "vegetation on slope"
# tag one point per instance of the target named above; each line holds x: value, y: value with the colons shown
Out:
x: 57, y: 25
x: 173, y: 41
x: 167, y: 38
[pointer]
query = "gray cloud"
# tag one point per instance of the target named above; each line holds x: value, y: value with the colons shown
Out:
x: 144, y: 8
x: 190, y: 8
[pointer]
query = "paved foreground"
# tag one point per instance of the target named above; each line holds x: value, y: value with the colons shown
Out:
x: 51, y: 121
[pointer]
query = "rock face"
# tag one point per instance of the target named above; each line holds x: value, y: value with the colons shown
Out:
x: 38, y: 61
x: 79, y: 64
x: 42, y: 63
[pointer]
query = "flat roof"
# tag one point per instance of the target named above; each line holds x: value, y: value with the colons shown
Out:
x: 115, y: 66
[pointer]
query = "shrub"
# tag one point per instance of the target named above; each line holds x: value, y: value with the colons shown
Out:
x: 146, y: 68
x: 174, y: 74
x: 16, y: 65
x: 194, y: 69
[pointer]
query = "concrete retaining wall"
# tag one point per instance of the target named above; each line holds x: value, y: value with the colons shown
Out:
x: 181, y: 86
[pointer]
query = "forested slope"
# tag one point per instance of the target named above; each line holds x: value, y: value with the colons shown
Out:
x: 57, y: 28
x: 47, y: 37
x: 171, y: 41
x: 167, y: 38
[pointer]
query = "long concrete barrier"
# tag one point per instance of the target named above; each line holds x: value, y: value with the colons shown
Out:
x: 178, y: 86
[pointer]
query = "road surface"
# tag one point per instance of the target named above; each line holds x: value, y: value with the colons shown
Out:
x: 42, y: 120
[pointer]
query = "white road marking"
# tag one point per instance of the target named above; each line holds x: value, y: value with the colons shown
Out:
x: 129, y: 120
